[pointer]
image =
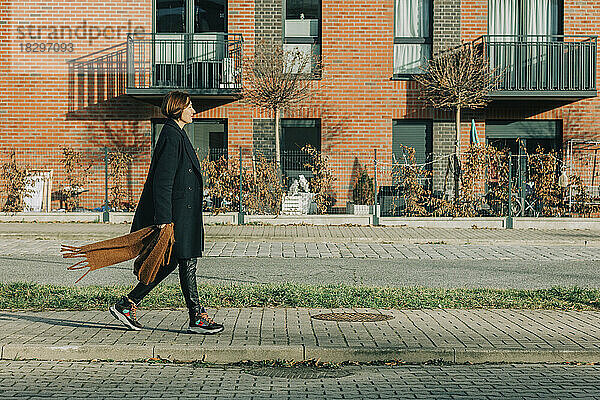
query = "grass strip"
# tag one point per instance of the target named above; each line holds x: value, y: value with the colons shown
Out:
x: 30, y: 296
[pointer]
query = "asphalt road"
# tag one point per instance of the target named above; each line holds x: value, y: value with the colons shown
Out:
x: 520, y: 274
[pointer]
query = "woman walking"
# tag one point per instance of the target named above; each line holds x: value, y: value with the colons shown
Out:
x: 173, y: 194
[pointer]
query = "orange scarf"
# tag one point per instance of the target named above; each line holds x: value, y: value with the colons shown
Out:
x: 152, y: 247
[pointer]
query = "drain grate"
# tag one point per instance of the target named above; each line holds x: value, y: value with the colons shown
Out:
x: 297, y: 372
x: 353, y: 317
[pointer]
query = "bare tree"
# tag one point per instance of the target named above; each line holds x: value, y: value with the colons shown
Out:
x: 275, y: 79
x: 457, y: 79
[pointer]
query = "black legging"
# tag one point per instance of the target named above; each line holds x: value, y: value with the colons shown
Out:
x: 187, y: 279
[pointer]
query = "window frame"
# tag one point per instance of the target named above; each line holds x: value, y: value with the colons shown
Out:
x: 285, y: 165
x: 189, y: 19
x: 314, y: 41
x: 412, y: 40
x: 154, y: 133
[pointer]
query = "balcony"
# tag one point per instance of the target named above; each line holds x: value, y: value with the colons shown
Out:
x: 205, y: 65
x: 542, y: 67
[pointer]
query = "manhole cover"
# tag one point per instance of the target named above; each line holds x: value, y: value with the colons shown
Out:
x: 297, y: 372
x: 353, y: 317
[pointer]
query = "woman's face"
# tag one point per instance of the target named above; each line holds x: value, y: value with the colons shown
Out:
x: 186, y: 115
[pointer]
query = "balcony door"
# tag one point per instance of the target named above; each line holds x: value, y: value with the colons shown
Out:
x: 189, y: 43
x: 520, y: 35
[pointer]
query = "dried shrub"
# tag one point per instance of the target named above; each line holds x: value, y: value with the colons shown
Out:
x: 481, y: 165
x: 363, y: 191
x: 543, y: 172
x: 222, y: 183
x: 480, y: 162
x: 76, y: 176
x: 17, y: 186
x: 118, y: 169
x: 266, y: 192
x: 322, y: 180
x: 580, y: 198
x: 408, y: 177
x: 497, y: 181
x: 262, y: 191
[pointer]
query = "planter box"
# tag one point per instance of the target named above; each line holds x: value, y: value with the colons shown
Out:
x: 360, y: 209
x: 298, y: 204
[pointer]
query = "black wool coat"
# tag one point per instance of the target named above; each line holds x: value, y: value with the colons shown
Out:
x: 173, y: 192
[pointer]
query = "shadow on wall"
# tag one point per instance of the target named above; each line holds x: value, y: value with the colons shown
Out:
x: 97, y: 83
x: 121, y: 108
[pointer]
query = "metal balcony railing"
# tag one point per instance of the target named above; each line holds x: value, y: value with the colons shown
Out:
x: 208, y: 64
x: 536, y: 65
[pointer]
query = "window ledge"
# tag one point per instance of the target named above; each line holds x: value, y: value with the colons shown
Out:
x: 403, y: 77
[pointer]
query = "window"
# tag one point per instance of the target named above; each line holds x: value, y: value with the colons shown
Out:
x: 412, y: 36
x: 524, y: 17
x: 210, y: 16
x: 295, y: 134
x: 302, y: 28
x: 208, y: 137
x: 417, y: 134
x: 170, y: 16
x: 175, y: 16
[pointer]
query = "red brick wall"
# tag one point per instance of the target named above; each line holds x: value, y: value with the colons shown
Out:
x: 34, y: 92
x: 356, y: 106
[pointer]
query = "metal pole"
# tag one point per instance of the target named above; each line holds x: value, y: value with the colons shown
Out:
x: 241, y: 210
x: 105, y: 214
x: 522, y: 178
x: 375, y: 213
x: 509, y: 219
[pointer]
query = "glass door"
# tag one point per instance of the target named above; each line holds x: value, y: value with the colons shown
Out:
x: 189, y: 43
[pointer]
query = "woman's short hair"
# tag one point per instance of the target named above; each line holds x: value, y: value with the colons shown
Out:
x: 174, y: 103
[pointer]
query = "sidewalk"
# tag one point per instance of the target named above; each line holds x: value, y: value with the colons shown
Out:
x: 460, y: 336
x: 319, y: 233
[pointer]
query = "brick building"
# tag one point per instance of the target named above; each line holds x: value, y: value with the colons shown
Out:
x: 70, y: 75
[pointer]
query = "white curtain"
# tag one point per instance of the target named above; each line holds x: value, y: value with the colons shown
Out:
x: 412, y: 18
x: 503, y: 21
x: 412, y: 21
x: 541, y: 21
x: 503, y: 18
x: 541, y: 17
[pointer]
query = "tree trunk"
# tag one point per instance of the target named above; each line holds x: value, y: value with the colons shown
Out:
x: 457, y: 158
x: 276, y: 112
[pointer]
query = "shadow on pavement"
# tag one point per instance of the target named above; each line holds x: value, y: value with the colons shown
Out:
x: 73, y: 323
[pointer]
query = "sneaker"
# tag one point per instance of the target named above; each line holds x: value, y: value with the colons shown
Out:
x: 203, y: 324
x: 125, y: 311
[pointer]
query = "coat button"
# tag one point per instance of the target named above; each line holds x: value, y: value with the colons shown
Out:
x: 190, y: 170
x: 189, y: 187
x: 189, y: 206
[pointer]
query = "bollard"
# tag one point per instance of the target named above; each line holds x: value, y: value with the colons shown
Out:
x: 375, y: 214
x: 105, y: 214
x: 509, y: 218
x: 241, y: 210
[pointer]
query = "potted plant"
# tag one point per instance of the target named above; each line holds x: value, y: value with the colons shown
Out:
x: 363, y: 196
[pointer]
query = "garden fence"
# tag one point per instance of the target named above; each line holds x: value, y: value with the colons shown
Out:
x: 314, y: 182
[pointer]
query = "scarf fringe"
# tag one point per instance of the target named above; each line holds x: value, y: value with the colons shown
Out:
x: 152, y: 248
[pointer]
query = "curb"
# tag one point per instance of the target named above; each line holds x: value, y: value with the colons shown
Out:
x: 233, y: 354
x: 521, y: 223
